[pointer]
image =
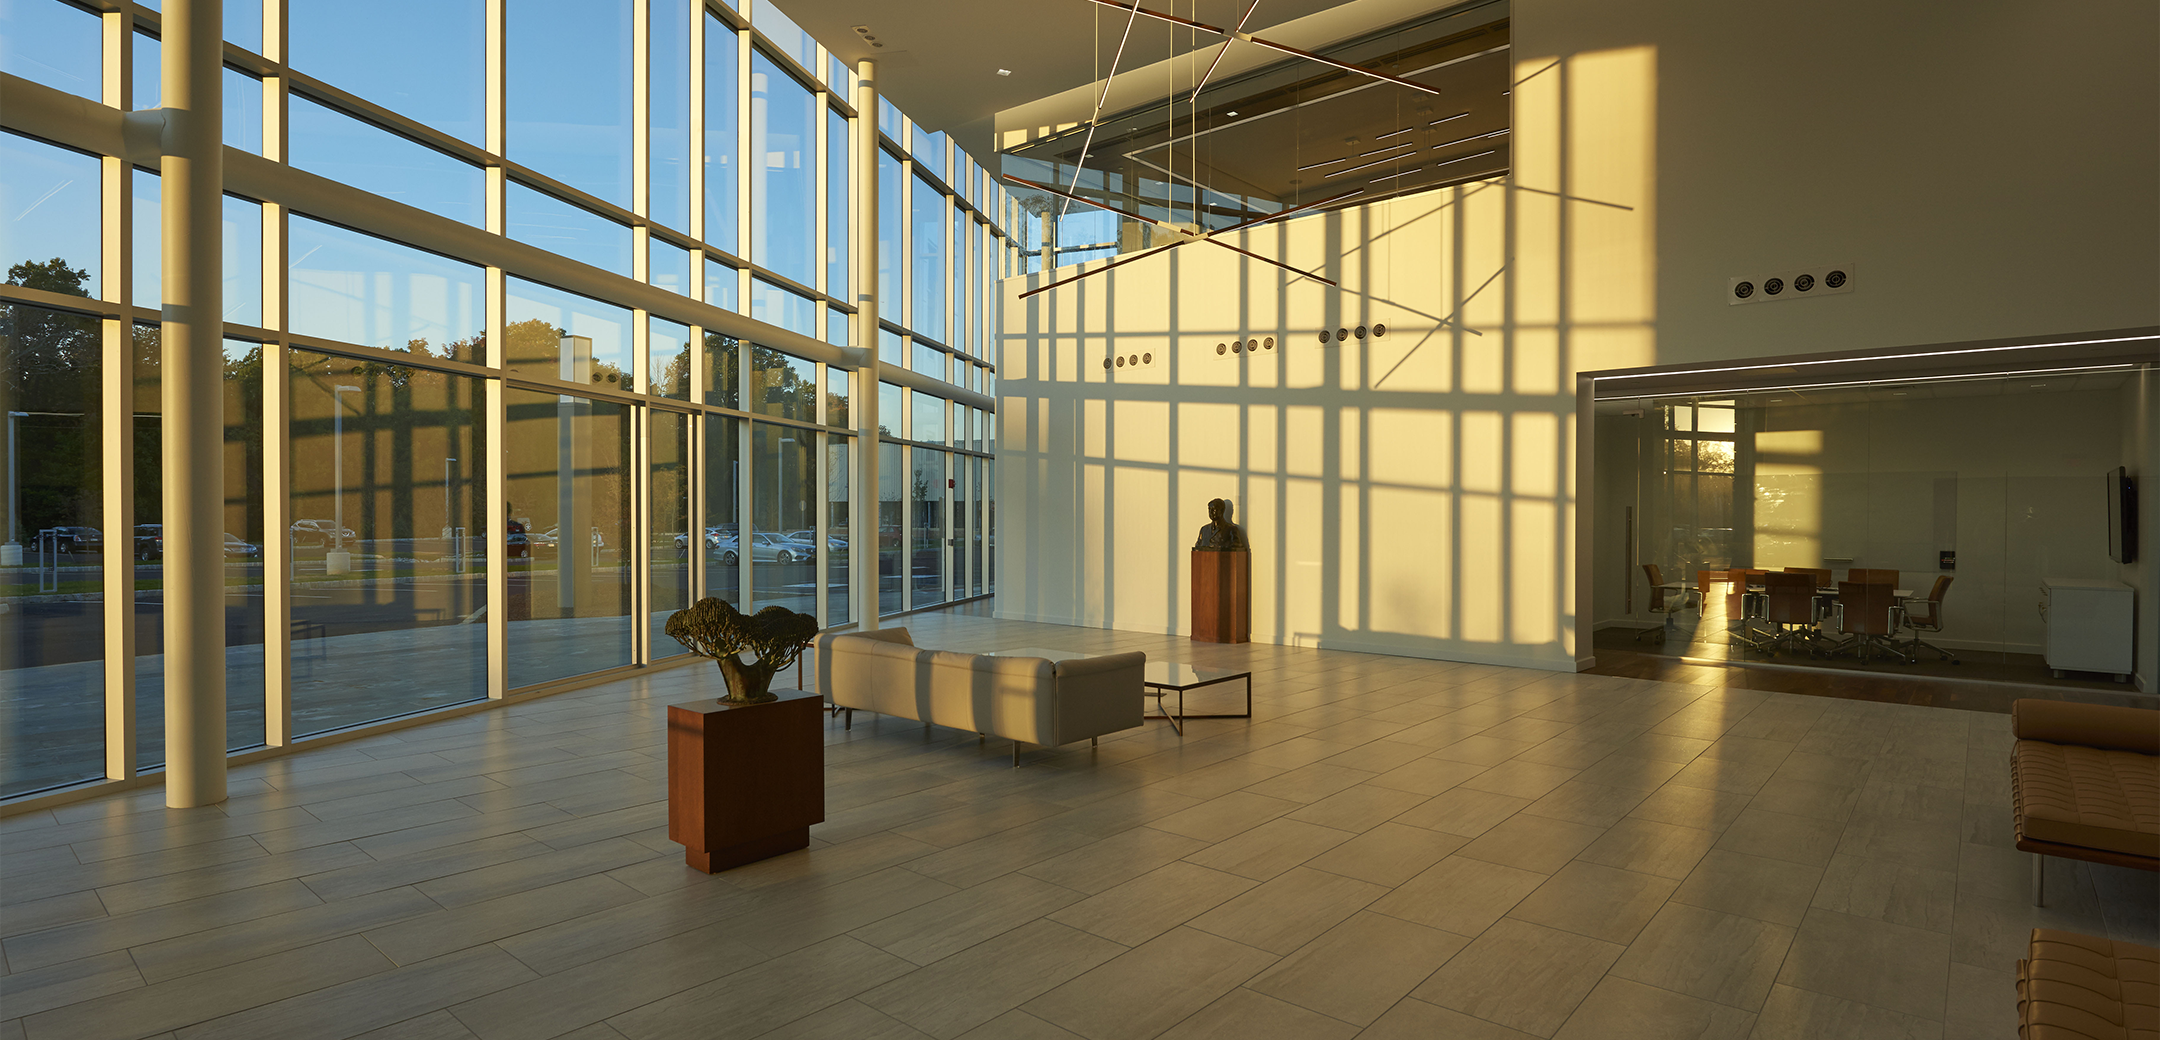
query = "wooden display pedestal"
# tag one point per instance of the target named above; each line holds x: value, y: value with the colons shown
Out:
x: 745, y: 782
x: 1221, y: 596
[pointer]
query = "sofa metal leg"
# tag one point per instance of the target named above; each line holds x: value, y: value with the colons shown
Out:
x: 1016, y: 754
x: 2039, y: 879
x: 1094, y: 741
x: 850, y: 718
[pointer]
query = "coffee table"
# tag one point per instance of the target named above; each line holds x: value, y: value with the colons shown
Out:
x: 1165, y: 677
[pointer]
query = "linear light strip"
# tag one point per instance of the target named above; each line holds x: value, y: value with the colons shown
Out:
x: 1089, y: 141
x: 1310, y: 166
x: 1395, y: 176
x: 1467, y: 158
x: 1449, y: 119
x: 1376, y: 162
x: 1975, y: 377
x: 1389, y: 148
x: 1467, y: 140
x: 1878, y: 357
x: 1271, y: 45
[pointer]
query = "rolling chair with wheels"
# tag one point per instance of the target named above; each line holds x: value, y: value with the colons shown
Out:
x: 1866, y: 614
x: 1927, y: 616
x: 1737, y: 601
x: 1872, y: 576
x: 1664, y: 599
x: 1789, y: 607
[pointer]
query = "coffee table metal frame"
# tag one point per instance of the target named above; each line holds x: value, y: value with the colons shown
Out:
x: 1161, y: 689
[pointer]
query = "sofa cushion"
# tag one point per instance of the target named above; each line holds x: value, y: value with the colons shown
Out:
x: 2088, y: 797
x: 2104, y: 726
x: 2081, y: 986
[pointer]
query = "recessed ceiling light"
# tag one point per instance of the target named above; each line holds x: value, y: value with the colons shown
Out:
x: 1004, y: 72
x: 1897, y: 393
x: 1232, y: 114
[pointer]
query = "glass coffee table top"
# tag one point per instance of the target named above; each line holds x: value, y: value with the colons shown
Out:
x: 1175, y: 675
x: 1052, y: 653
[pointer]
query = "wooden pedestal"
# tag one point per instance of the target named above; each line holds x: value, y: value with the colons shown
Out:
x: 745, y: 782
x: 1221, y: 596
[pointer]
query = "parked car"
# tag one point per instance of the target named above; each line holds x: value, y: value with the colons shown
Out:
x: 72, y: 539
x: 552, y: 536
x: 833, y: 543
x: 765, y: 547
x: 520, y: 544
x: 236, y: 546
x: 319, y: 532
x: 149, y: 541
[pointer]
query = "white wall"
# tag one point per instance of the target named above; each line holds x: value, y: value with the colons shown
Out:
x: 1988, y: 170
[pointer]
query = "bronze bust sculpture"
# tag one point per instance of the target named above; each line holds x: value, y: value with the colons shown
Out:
x: 1220, y: 535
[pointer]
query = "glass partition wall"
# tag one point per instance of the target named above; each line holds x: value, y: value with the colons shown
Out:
x: 1919, y: 489
x: 451, y: 471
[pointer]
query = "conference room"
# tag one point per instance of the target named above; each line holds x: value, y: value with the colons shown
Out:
x: 1962, y: 525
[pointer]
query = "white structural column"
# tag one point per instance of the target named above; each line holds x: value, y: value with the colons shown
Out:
x: 864, y: 524
x: 192, y: 339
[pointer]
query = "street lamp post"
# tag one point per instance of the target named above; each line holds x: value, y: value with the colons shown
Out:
x: 337, y: 560
x: 450, y: 523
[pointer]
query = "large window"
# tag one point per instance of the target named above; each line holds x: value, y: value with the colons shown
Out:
x: 783, y: 186
x: 451, y: 471
x: 389, y: 552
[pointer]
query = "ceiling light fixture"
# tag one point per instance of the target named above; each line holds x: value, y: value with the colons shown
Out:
x: 1317, y: 165
x: 1397, y: 157
x: 1450, y: 119
x: 1467, y: 140
x: 1392, y: 133
x: 1395, y: 176
x: 1467, y: 158
x: 1390, y: 148
x: 1004, y: 72
x: 1792, y: 365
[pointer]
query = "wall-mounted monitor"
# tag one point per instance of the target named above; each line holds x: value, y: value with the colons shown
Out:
x: 2122, y: 516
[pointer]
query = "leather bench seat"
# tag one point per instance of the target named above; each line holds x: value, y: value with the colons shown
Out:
x: 2080, y: 987
x: 2095, y: 798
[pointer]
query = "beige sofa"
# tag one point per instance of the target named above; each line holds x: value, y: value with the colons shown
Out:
x: 1023, y: 699
x: 2085, y: 784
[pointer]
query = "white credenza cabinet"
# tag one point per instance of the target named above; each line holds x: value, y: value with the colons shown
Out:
x: 2088, y: 625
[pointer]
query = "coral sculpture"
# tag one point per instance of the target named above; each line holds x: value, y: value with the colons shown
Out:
x: 776, y: 636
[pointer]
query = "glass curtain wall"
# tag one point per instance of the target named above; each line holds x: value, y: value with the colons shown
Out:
x: 640, y: 458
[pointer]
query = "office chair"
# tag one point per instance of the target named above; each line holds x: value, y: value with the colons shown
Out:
x: 1927, y: 616
x: 1663, y: 601
x: 1867, y: 576
x: 1820, y: 574
x: 1737, y: 599
x: 1865, y: 615
x: 1789, y: 607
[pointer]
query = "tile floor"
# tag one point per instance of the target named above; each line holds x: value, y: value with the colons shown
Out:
x: 1390, y: 848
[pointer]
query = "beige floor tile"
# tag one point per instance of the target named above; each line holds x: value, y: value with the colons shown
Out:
x: 1520, y: 779
x: 1018, y: 1025
x: 1883, y: 890
x: 582, y: 940
x: 26, y: 993
x: 1379, y: 756
x: 1413, y: 1019
x: 1269, y: 849
x: 380, y: 874
x: 1927, y: 845
x: 1911, y: 801
x: 1735, y: 776
x: 761, y: 997
x: 1598, y: 901
x: 1428, y: 776
x: 86, y: 938
x: 1358, y: 809
x: 847, y: 1020
x: 1114, y: 860
x: 50, y: 912
x: 1569, y: 752
x: 1820, y: 801
x: 1695, y: 807
x: 1153, y: 903
x: 1220, y: 818
x: 1289, y: 911
x: 1463, y: 811
x: 1521, y: 975
x: 1795, y: 839
x: 1589, y: 804
x: 211, y: 994
x: 943, y: 927
x: 230, y: 944
x: 1388, y: 854
x: 1622, y: 1010
x: 1151, y: 988
x: 1629, y: 772
x: 1703, y: 953
x: 436, y: 934
x: 442, y: 1025
x: 1650, y: 847
x: 1483, y: 750
x: 1975, y: 1003
x: 1310, y: 783
x: 1770, y: 890
x: 1531, y: 842
x: 334, y: 1012
x: 1360, y: 968
x: 795, y: 917
x: 1906, y: 970
x: 1242, y: 1014
x: 1001, y: 853
x: 194, y: 884
x: 977, y: 984
x: 1798, y: 1014
x: 1459, y: 895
